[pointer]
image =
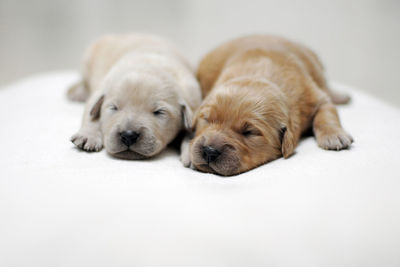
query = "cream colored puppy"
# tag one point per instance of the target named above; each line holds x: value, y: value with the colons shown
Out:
x: 140, y: 93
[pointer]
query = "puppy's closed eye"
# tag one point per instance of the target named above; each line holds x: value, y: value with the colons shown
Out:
x: 204, y: 119
x: 282, y: 132
x: 112, y: 107
x: 204, y: 116
x: 249, y: 131
x: 160, y: 112
x: 200, y: 121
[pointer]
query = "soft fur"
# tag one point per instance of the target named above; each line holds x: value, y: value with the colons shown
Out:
x: 137, y: 83
x: 261, y: 93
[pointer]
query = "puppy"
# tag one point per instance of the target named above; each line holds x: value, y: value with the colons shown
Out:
x: 261, y: 93
x: 140, y: 93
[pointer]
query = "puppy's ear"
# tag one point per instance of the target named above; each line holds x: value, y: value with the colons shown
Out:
x: 96, y: 107
x: 288, y: 141
x: 187, y: 115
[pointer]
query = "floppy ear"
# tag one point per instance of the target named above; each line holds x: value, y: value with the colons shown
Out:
x: 96, y: 107
x: 288, y: 141
x: 187, y: 115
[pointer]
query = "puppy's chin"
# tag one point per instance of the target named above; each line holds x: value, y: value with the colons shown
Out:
x: 211, y: 168
x: 143, y: 149
x: 128, y: 154
x: 131, y: 154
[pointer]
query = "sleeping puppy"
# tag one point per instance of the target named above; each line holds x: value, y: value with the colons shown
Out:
x: 261, y: 93
x: 140, y: 93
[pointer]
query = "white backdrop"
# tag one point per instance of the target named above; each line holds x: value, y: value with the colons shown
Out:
x: 358, y: 40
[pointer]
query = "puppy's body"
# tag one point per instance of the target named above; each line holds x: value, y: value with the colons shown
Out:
x: 262, y: 93
x: 140, y: 92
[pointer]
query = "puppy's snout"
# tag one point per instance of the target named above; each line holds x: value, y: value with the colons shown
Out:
x: 128, y: 138
x: 210, y: 154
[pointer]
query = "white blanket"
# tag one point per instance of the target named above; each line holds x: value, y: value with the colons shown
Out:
x: 63, y: 207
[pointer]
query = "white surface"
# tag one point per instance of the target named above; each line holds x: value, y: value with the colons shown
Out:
x: 63, y: 207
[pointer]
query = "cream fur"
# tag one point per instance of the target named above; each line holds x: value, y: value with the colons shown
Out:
x: 134, y: 82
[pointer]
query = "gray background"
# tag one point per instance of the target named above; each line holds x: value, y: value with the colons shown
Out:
x: 357, y: 40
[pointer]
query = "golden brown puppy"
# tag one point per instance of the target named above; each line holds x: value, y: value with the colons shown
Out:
x: 261, y: 93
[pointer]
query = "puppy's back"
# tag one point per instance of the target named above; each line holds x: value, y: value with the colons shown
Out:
x: 213, y: 63
x: 106, y: 51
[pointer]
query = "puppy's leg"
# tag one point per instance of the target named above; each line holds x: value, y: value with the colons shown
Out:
x: 327, y: 129
x: 185, y: 151
x: 316, y: 71
x: 338, y: 98
x: 78, y: 92
x: 89, y: 136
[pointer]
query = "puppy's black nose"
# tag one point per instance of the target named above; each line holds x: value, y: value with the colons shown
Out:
x: 210, y: 154
x: 128, y: 138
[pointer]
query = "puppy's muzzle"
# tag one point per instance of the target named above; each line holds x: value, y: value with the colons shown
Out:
x: 128, y: 138
x: 210, y: 154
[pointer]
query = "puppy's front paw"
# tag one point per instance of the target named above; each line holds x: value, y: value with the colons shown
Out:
x: 185, y: 158
x: 336, y: 139
x: 88, y: 142
x: 185, y: 152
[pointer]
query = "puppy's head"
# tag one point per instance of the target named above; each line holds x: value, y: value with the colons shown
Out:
x: 239, y: 127
x: 139, y: 115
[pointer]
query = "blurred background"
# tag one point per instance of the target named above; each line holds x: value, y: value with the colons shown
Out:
x: 357, y: 40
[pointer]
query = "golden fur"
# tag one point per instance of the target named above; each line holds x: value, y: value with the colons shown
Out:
x: 261, y: 93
